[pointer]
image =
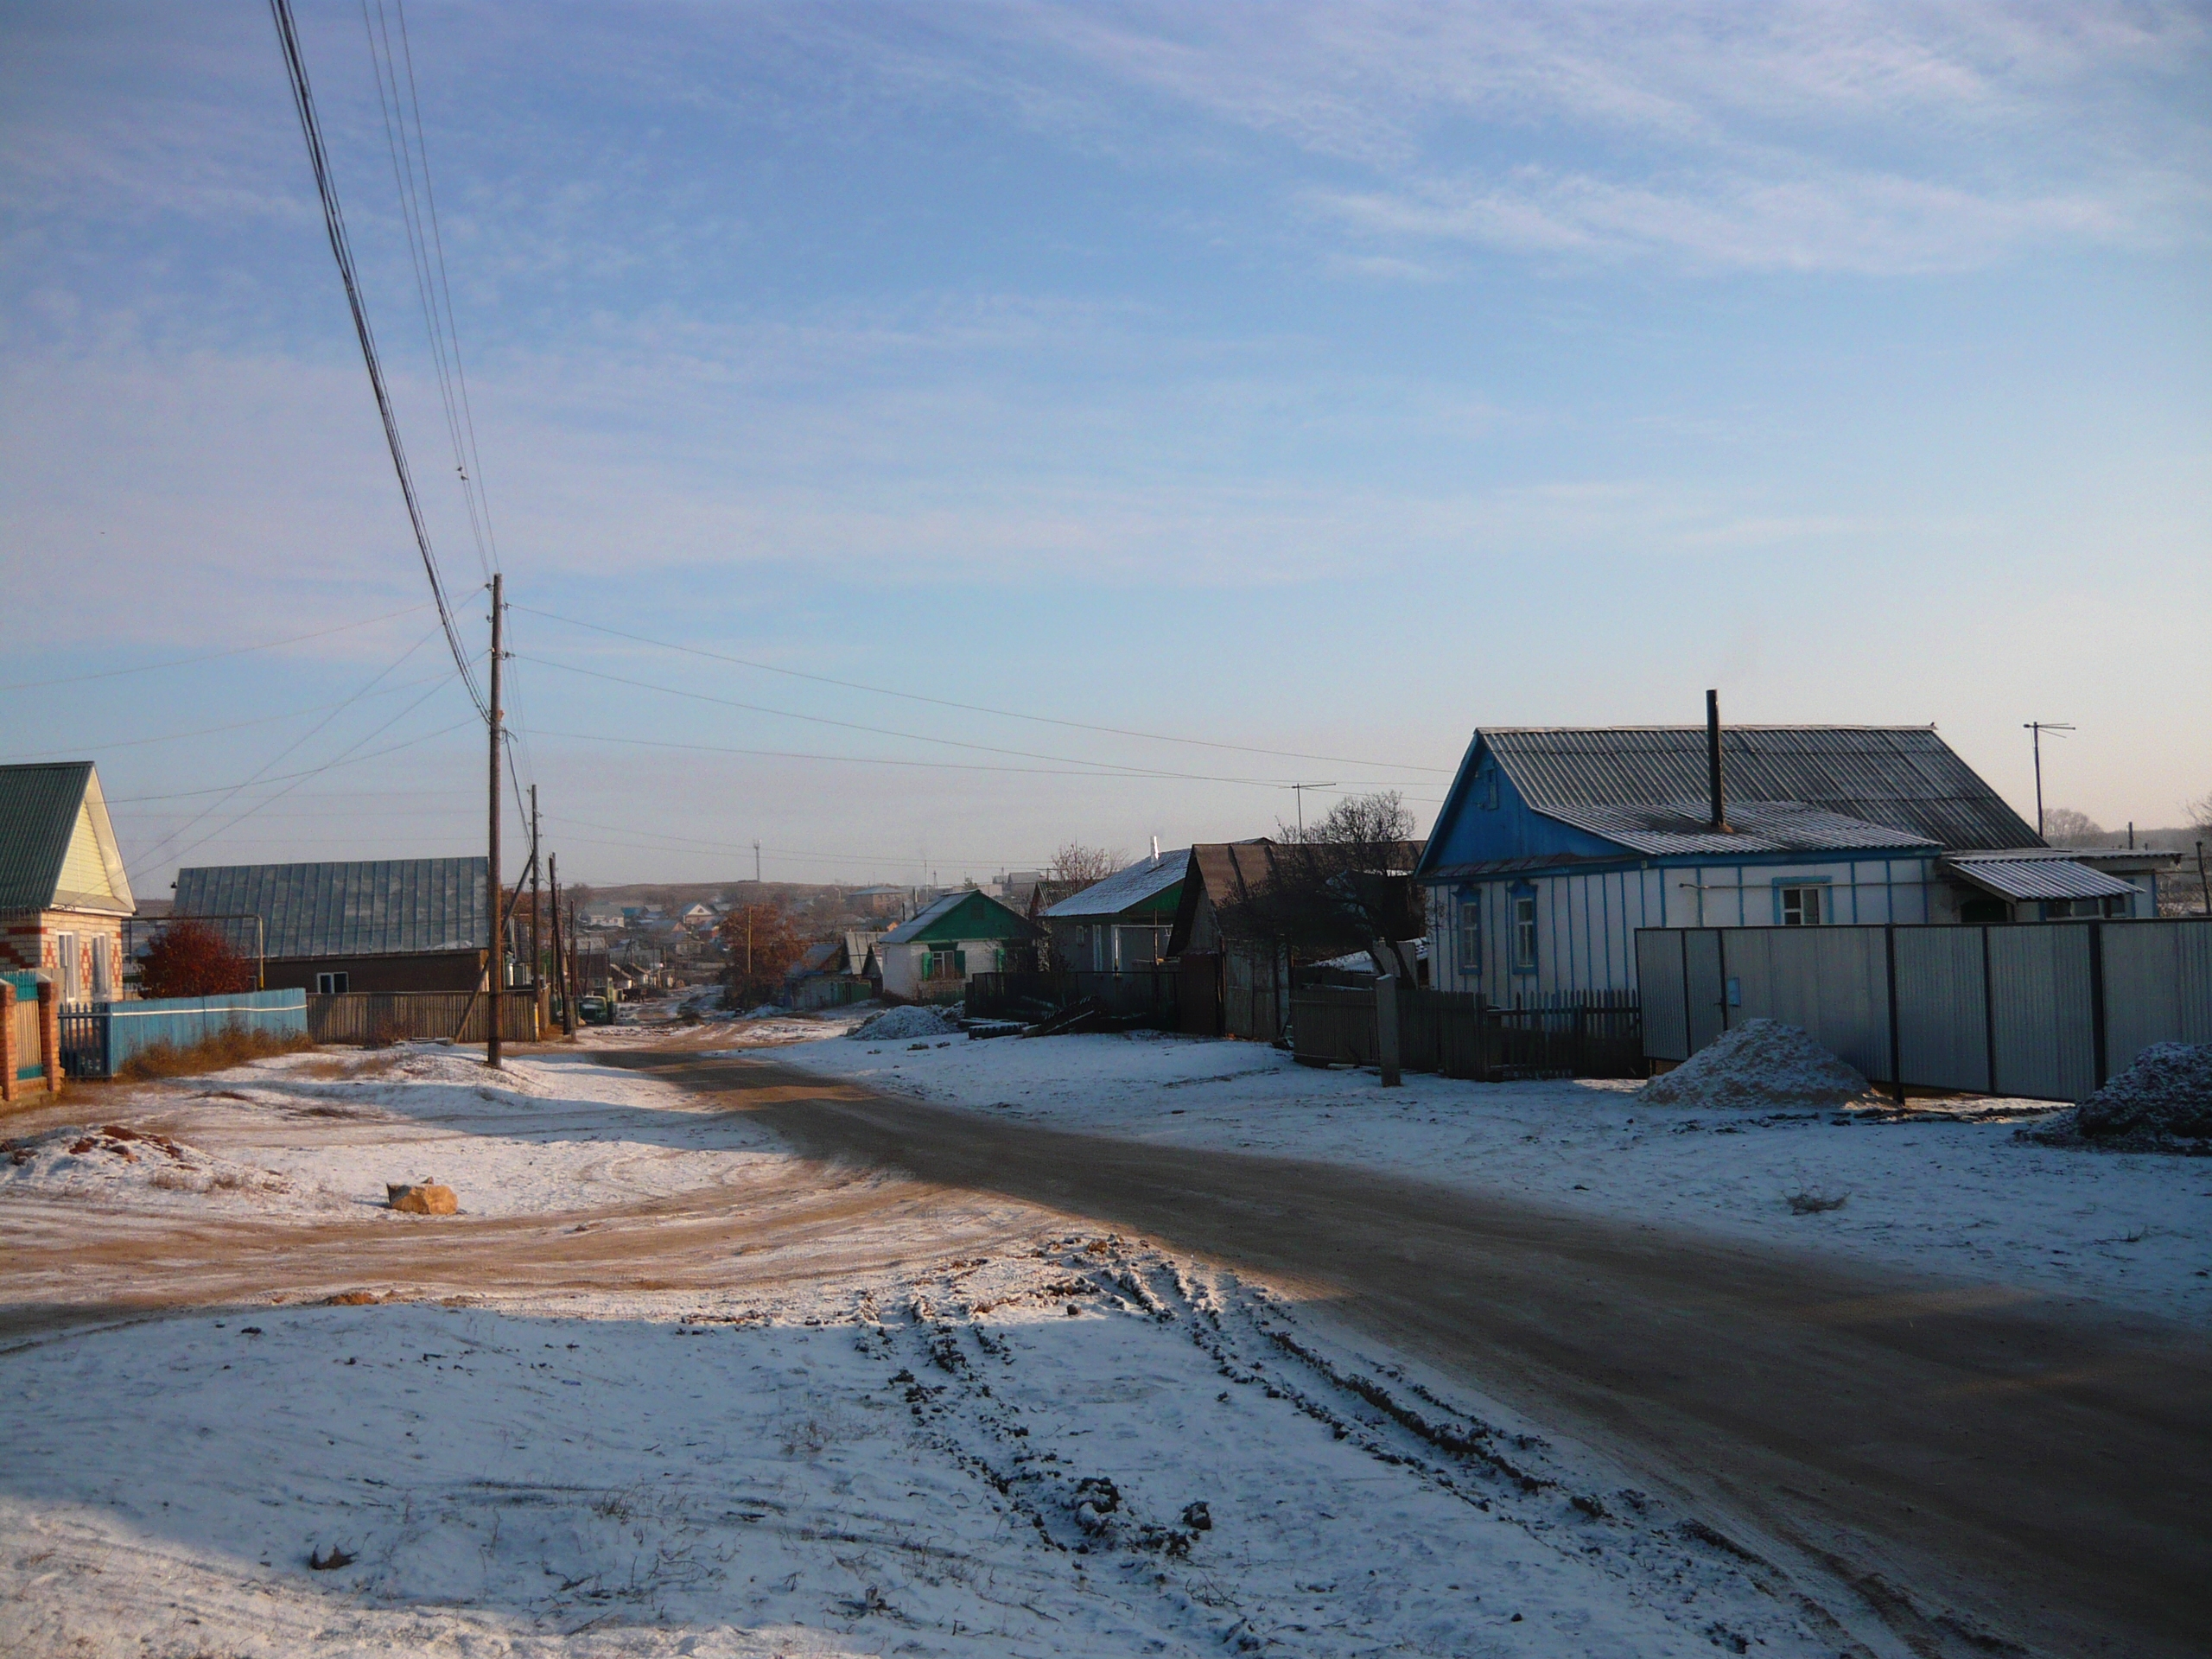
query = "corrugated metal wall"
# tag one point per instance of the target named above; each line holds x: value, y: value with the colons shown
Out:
x: 2043, y: 1010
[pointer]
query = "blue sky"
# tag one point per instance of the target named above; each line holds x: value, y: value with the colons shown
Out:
x: 1325, y: 380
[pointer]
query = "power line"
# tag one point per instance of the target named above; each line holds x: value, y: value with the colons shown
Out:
x: 236, y: 725
x: 312, y: 772
x: 208, y: 657
x: 341, y: 249
x: 969, y: 707
x: 1110, y: 767
x: 934, y: 765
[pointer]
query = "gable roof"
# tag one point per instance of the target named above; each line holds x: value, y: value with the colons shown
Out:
x: 1126, y: 889
x: 1903, y: 777
x: 950, y: 918
x: 376, y: 908
x: 57, y: 848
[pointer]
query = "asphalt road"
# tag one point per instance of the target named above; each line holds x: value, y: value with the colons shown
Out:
x: 1979, y: 1470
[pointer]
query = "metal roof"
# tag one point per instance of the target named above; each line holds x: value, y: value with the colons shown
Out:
x: 1014, y: 925
x: 1145, y: 879
x: 1901, y: 777
x: 1753, y: 827
x: 2032, y: 877
x: 380, y: 908
x: 43, y: 809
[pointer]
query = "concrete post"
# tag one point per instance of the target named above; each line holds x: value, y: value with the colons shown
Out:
x: 8, y: 1060
x: 1386, y: 1029
x: 49, y: 1035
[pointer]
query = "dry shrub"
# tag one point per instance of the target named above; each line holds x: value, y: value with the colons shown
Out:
x: 232, y: 1046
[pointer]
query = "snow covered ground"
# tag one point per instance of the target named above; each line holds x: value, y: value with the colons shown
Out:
x: 1940, y: 1191
x: 323, y: 1134
x: 1074, y: 1446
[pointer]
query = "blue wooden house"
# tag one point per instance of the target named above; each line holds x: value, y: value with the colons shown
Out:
x: 1556, y: 844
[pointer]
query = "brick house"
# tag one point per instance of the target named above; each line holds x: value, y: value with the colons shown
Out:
x: 63, y: 890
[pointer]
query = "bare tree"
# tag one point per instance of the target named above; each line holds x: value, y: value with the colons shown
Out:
x: 1085, y: 865
x: 1376, y: 820
x: 2063, y: 826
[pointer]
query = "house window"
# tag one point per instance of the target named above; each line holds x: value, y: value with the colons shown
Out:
x: 1524, y: 932
x: 103, y: 970
x: 1470, y: 936
x: 1802, y: 906
x: 64, y: 953
x: 330, y: 984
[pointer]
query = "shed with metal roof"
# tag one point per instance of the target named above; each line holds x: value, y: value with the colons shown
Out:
x: 1122, y: 921
x: 378, y: 924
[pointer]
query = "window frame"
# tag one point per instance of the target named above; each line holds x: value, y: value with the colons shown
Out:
x: 334, y: 983
x: 1822, y: 889
x: 1471, y: 935
x: 1526, y: 937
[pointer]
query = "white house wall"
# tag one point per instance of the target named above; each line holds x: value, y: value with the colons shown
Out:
x: 1586, y: 922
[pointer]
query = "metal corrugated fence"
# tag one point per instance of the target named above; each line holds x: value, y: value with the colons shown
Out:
x: 2046, y: 1010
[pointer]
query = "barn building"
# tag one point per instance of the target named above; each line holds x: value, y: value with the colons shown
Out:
x: 387, y: 924
x: 1555, y: 844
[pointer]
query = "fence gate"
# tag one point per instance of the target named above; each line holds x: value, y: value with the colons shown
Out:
x: 2045, y: 1010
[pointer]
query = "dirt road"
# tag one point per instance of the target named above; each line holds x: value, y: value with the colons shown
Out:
x: 1981, y: 1468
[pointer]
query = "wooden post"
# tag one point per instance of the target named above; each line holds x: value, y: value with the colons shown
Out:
x: 49, y: 1034
x: 1386, y: 1029
x: 537, y: 933
x: 8, y: 1060
x: 495, y: 959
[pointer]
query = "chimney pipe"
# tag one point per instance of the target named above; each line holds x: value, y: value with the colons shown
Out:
x: 1720, y: 824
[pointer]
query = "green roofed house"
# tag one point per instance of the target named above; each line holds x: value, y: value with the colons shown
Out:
x: 932, y: 958
x: 63, y: 891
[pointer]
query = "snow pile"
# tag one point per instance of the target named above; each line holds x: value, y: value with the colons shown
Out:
x: 895, y: 1025
x: 767, y: 1011
x: 1762, y: 1063
x: 116, y: 1165
x: 2161, y: 1103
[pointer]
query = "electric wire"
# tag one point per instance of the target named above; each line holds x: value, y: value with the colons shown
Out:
x: 312, y: 772
x: 217, y: 806
x: 235, y: 725
x: 1103, y: 768
x: 211, y: 656
x: 334, y: 220
x: 969, y: 708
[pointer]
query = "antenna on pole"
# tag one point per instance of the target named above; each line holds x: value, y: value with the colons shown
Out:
x: 1299, y: 789
x: 2038, y: 727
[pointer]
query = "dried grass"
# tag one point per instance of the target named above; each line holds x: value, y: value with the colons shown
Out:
x: 232, y: 1045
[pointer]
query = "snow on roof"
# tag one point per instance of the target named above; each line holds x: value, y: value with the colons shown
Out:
x: 1753, y: 826
x: 1145, y: 879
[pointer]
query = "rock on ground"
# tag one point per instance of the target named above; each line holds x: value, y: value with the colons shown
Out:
x: 2161, y: 1103
x: 423, y: 1198
x: 1762, y: 1065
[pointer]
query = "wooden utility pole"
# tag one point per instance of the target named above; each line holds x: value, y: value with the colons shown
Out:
x: 536, y: 939
x: 495, y: 959
x: 560, y: 960
x: 576, y: 968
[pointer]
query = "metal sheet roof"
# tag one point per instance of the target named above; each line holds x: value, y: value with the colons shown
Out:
x: 378, y: 908
x: 42, y: 808
x: 2039, y: 878
x: 1008, y: 923
x: 1900, y: 776
x: 1145, y: 879
x: 1754, y: 827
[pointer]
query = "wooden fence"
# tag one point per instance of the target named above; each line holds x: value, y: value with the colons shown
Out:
x: 417, y: 1016
x: 1460, y: 1035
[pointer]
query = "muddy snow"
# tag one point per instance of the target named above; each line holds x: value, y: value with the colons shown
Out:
x: 1944, y: 1190
x: 1065, y: 1444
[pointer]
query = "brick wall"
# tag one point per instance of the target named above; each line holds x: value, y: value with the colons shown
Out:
x: 32, y: 939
